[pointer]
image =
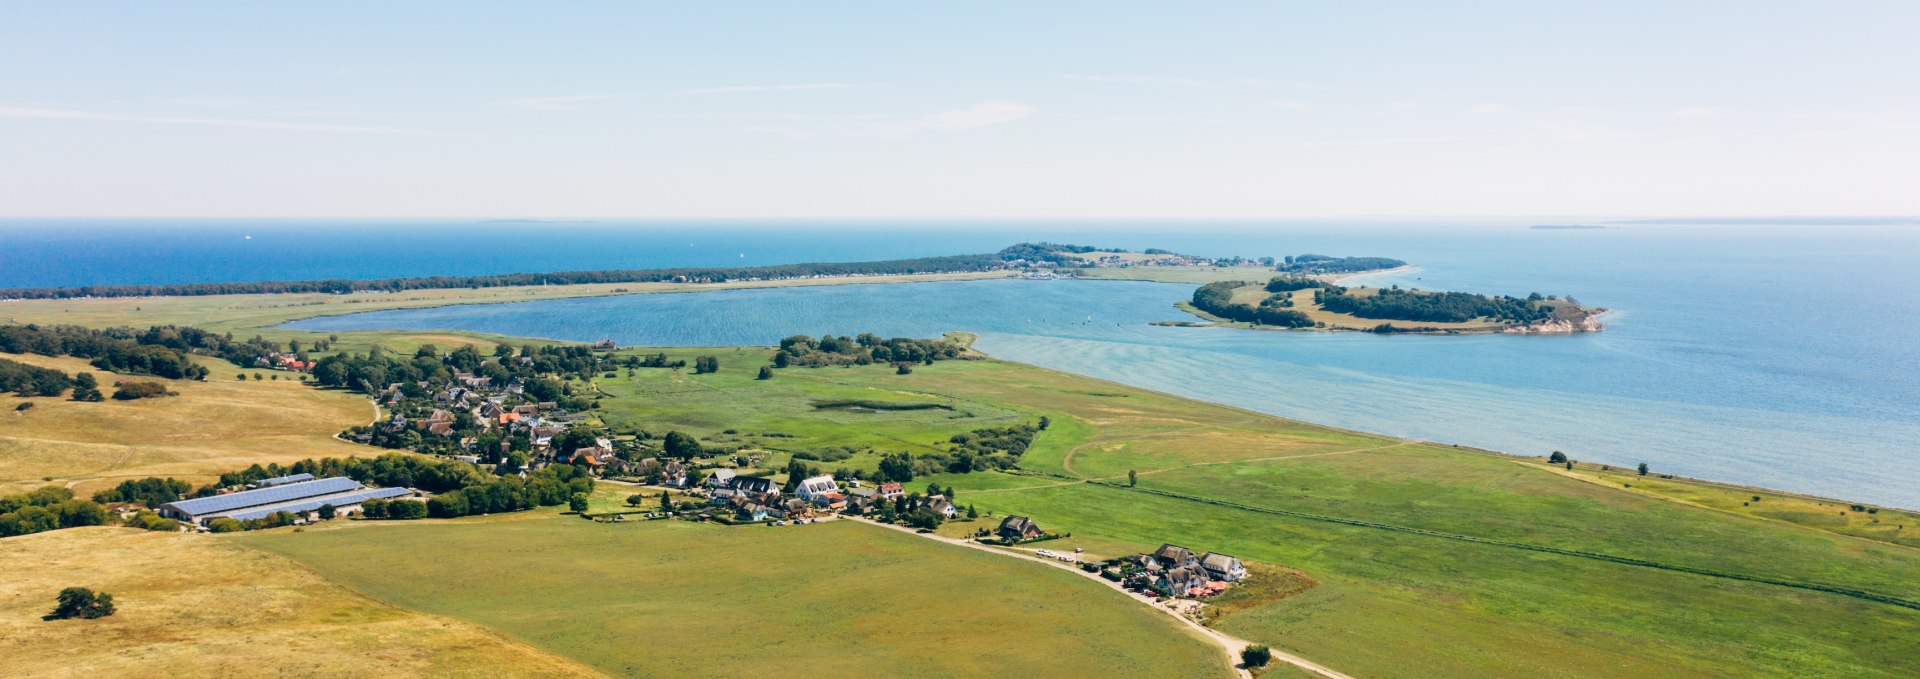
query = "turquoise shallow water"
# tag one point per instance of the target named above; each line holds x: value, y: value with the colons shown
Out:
x: 1775, y: 356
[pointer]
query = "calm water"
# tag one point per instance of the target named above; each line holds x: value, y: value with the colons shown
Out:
x: 1776, y: 356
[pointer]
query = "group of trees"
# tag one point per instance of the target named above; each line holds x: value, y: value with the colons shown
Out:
x: 1293, y: 282
x: 159, y: 350
x: 393, y: 509
x: 989, y: 448
x: 1217, y: 299
x: 48, y: 508
x: 867, y: 348
x: 1322, y: 264
x: 706, y: 364
x: 150, y: 491
x: 550, y: 486
x: 80, y: 602
x: 1431, y: 307
x: 129, y: 391
x: 32, y: 380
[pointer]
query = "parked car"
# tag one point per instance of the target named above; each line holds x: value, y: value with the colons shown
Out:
x: 1045, y: 553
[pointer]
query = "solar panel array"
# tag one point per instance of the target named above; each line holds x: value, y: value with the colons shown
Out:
x: 313, y: 504
x: 284, y: 480
x: 265, y: 496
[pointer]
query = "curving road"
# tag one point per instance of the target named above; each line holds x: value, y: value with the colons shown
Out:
x: 1228, y: 644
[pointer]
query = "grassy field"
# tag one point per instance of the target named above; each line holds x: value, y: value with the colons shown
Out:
x: 215, y: 426
x: 190, y: 606
x: 1418, y: 593
x: 1399, y: 604
x: 783, y: 414
x: 671, y: 598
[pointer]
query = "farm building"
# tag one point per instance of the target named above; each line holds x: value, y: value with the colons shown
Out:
x: 283, y: 480
x: 296, y: 497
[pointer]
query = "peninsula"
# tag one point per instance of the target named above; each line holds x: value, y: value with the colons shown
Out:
x: 1295, y: 302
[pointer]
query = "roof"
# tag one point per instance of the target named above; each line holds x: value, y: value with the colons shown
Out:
x: 283, y: 480
x: 817, y: 484
x: 287, y: 492
x: 1218, y: 561
x: 337, y: 499
x: 1173, y: 552
x: 752, y: 484
x: 1018, y: 523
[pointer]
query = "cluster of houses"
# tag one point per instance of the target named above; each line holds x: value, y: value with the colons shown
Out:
x: 754, y: 498
x: 1181, y: 572
x: 283, y: 361
x: 501, y: 408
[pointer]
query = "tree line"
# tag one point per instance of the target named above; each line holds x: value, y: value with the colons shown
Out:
x: 160, y: 350
x: 1431, y: 307
x: 865, y: 349
x: 1322, y: 264
x: 921, y: 265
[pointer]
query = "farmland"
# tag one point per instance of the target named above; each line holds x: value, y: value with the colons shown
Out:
x: 215, y: 426
x: 670, y: 598
x: 194, y: 607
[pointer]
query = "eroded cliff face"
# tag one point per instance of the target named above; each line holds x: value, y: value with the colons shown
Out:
x: 1589, y: 324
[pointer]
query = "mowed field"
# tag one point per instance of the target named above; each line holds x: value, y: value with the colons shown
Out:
x: 216, y: 426
x: 781, y: 415
x: 191, y: 606
x: 672, y: 598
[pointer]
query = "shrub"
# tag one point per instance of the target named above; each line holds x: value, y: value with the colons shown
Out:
x: 23, y: 407
x: 225, y: 525
x: 136, y: 390
x: 80, y: 602
x: 1256, y: 656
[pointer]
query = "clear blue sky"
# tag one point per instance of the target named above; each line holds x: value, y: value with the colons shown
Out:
x: 1016, y: 109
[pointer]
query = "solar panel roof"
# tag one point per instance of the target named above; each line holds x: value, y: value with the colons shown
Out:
x: 283, y: 480
x: 265, y: 496
x: 315, y: 503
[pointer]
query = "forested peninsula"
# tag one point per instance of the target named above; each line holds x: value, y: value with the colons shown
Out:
x: 1293, y: 301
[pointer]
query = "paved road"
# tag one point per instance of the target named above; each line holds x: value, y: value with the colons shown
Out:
x: 1228, y: 644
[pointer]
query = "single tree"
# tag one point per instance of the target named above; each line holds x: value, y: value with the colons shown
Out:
x: 1133, y: 478
x: 635, y: 499
x: 904, y: 369
x: 766, y: 372
x: 80, y: 602
x: 666, y: 503
x: 327, y: 512
x: 577, y: 502
x: 1557, y: 457
x: 1256, y: 656
x: 1643, y: 469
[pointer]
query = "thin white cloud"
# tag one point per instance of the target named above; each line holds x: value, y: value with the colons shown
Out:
x: 572, y: 102
x: 1292, y: 105
x: 1489, y: 107
x: 797, y: 87
x: 1696, y: 113
x: 1134, y: 79
x: 1585, y: 133
x: 1386, y: 141
x: 21, y: 112
x: 973, y: 117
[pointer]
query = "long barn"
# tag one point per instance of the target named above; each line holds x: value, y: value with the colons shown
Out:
x: 298, y: 497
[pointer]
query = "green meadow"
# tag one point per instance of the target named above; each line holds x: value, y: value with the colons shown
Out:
x: 672, y: 598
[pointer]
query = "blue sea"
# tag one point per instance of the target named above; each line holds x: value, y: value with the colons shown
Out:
x: 1781, y: 356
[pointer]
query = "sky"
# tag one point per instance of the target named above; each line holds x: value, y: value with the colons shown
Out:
x: 959, y: 110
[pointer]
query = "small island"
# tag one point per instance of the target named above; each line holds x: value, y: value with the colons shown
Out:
x: 1295, y: 302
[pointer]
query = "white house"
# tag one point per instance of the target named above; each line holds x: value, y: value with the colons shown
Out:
x: 815, y: 487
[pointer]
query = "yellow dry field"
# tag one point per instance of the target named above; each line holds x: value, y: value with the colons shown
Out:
x: 199, y: 606
x: 216, y: 426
